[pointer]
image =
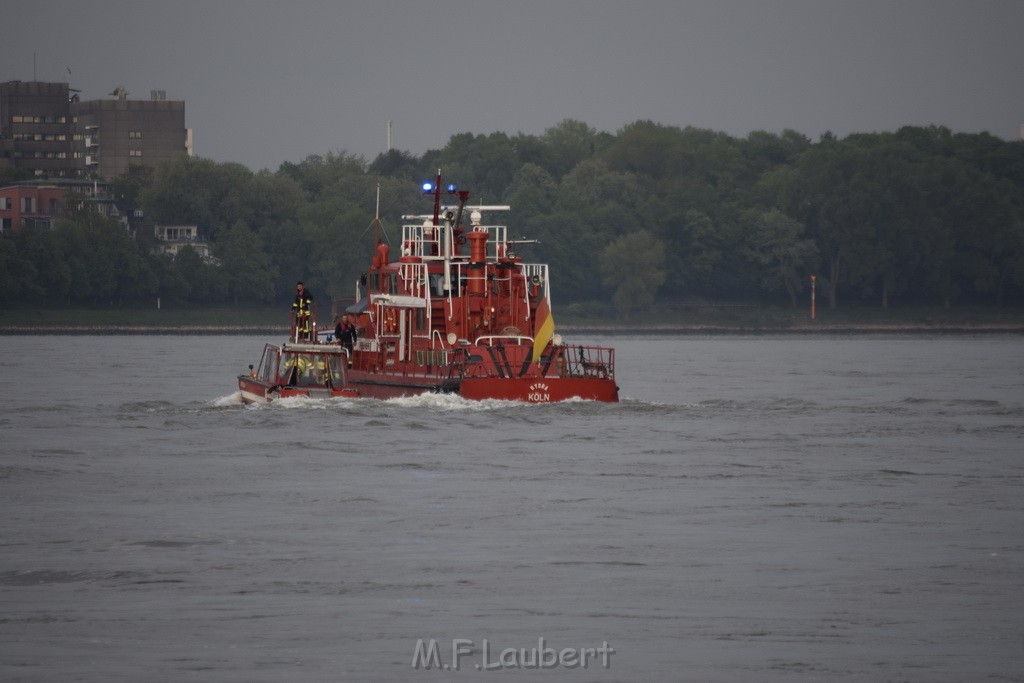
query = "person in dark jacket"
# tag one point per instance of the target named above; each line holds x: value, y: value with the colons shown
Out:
x: 345, y: 333
x: 302, y: 309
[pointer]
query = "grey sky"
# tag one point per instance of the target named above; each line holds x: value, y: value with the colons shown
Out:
x: 268, y: 82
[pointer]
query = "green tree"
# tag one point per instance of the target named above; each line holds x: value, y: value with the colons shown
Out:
x: 764, y: 151
x: 566, y: 144
x: 130, y: 186
x: 18, y: 274
x: 784, y: 255
x: 173, y: 287
x: 206, y: 280
x: 835, y: 201
x: 695, y: 249
x: 183, y: 193
x: 396, y: 164
x: 482, y: 164
x: 633, y: 265
x: 196, y: 191
x: 533, y: 192
x: 246, y: 268
x: 320, y: 175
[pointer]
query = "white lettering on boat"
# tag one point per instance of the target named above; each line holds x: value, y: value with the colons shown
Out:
x: 539, y: 392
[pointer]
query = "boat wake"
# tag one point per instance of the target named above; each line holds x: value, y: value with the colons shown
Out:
x: 229, y: 400
x: 429, y: 401
x: 448, y: 402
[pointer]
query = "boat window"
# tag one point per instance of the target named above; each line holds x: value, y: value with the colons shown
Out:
x: 301, y: 369
x: 393, y: 283
x: 310, y: 370
x: 437, y: 284
x: 268, y: 364
x: 336, y: 364
x: 452, y: 288
x: 286, y: 368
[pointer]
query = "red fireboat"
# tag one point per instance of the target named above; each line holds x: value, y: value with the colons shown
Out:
x: 475, y: 324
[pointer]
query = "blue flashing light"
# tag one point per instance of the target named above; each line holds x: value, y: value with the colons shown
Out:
x: 428, y: 187
x: 452, y: 188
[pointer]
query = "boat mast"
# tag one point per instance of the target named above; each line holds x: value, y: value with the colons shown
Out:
x: 437, y: 197
x: 376, y: 220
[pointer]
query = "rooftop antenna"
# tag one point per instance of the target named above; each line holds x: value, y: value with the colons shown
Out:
x: 389, y: 147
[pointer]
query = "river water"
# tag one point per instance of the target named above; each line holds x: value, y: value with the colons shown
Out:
x: 756, y: 509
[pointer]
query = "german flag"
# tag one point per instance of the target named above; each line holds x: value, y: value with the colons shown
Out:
x: 544, y: 328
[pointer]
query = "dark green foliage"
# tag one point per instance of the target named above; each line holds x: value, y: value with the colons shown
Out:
x: 922, y: 216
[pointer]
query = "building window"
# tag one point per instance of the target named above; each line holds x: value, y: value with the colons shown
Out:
x: 135, y: 134
x: 28, y: 204
x: 5, y: 203
x: 135, y: 152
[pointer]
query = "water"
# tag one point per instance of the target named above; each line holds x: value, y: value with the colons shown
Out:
x: 755, y: 509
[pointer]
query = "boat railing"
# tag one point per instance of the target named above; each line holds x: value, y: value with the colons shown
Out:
x: 535, y: 274
x: 303, y: 327
x: 434, y: 242
x: 492, y: 339
x: 586, y: 361
x: 564, y: 361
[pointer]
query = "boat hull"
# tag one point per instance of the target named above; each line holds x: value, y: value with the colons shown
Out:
x: 255, y: 391
x: 540, y: 389
x: 526, y: 389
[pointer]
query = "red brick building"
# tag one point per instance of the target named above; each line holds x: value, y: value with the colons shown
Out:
x: 23, y: 206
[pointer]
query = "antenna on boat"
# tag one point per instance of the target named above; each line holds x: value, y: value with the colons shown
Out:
x: 437, y: 197
x: 376, y: 224
x: 435, y: 189
x: 376, y: 218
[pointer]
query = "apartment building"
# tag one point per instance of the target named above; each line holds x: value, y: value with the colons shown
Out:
x: 47, y: 130
x: 36, y: 128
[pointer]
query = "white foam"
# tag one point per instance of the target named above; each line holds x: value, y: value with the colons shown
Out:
x: 229, y: 400
x: 449, y: 402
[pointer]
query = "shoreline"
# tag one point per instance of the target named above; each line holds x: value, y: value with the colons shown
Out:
x: 809, y: 329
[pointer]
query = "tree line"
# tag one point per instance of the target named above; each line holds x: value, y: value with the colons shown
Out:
x: 921, y: 216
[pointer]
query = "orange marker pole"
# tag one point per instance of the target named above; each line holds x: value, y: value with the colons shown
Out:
x: 813, y: 279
